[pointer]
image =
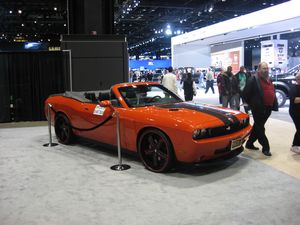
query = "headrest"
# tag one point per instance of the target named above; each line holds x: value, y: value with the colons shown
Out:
x: 90, y: 95
x: 104, y: 95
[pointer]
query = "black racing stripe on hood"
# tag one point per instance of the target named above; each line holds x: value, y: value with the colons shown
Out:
x: 226, y: 117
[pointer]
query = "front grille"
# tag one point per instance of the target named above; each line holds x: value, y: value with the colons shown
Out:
x: 226, y: 129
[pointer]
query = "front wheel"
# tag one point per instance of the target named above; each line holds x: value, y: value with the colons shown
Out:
x: 63, y: 129
x: 156, y: 151
x: 281, y: 97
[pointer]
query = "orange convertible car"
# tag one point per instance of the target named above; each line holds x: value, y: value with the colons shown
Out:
x: 154, y: 122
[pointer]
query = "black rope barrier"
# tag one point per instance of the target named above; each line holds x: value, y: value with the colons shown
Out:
x: 88, y: 129
x: 119, y: 166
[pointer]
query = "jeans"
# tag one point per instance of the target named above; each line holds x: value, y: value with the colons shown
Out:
x: 231, y: 100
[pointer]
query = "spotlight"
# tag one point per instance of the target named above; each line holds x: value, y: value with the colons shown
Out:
x: 168, y: 32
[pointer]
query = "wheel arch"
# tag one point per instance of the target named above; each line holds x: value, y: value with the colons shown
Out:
x: 71, y: 135
x: 58, y: 113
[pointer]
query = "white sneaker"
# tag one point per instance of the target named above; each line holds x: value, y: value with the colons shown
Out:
x: 295, y: 149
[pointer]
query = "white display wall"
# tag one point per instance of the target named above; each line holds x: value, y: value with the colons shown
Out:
x: 189, y: 55
x: 275, y: 53
x: 233, y: 57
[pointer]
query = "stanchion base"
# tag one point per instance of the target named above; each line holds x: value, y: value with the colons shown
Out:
x: 120, y: 167
x: 50, y: 145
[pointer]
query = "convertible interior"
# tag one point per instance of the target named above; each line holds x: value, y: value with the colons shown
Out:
x: 134, y: 96
x: 89, y: 97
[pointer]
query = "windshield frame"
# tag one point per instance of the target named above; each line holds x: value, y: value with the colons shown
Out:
x: 137, y: 96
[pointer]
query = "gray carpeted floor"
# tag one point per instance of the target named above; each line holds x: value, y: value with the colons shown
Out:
x: 74, y: 185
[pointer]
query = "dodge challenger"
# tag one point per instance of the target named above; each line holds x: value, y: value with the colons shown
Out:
x: 153, y: 122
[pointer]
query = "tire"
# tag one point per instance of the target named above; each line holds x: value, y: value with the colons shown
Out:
x: 156, y: 151
x: 63, y: 129
x: 281, y: 97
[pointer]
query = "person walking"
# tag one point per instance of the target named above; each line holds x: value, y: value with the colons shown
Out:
x: 169, y: 81
x: 201, y: 79
x: 189, y: 88
x: 242, y: 77
x: 229, y: 87
x: 294, y: 111
x: 219, y: 76
x: 209, y: 81
x: 259, y: 94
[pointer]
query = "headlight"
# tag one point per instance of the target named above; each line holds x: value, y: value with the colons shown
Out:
x: 201, y: 133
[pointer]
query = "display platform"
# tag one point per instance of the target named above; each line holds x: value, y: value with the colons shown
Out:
x: 74, y: 184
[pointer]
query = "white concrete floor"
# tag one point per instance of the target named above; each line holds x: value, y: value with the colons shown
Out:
x: 70, y: 185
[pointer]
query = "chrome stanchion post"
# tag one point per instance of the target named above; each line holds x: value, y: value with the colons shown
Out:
x: 120, y: 166
x: 50, y: 144
x: 118, y: 138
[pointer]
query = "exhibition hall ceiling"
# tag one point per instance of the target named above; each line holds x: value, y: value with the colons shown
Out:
x: 33, y: 20
x: 148, y: 24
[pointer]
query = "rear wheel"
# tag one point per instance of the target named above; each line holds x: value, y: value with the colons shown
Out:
x: 281, y: 97
x: 156, y: 151
x: 63, y: 129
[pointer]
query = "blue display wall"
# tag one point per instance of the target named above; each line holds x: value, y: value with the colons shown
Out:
x: 149, y: 64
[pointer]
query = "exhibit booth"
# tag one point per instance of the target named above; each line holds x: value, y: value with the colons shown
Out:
x: 223, y: 44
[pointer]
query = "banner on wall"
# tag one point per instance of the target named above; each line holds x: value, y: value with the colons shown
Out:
x: 149, y: 64
x: 229, y: 57
x: 275, y: 52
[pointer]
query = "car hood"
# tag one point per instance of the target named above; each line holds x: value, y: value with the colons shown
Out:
x: 196, y: 115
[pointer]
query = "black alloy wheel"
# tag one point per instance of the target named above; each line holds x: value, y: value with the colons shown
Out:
x: 63, y: 129
x: 156, y: 151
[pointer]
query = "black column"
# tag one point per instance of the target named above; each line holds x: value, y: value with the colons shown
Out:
x: 91, y: 16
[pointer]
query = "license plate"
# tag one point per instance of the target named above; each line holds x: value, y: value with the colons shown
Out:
x: 236, y: 143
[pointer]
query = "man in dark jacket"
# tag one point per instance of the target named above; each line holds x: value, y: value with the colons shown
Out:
x: 259, y: 94
x: 294, y: 111
x: 229, y: 88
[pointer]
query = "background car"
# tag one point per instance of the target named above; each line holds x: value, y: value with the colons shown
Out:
x: 283, y: 82
x: 156, y: 77
x: 154, y: 122
x: 185, y: 70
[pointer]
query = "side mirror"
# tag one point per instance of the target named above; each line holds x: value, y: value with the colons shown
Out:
x: 105, y: 103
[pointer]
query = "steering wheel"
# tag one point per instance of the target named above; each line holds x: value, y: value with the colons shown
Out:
x: 154, y: 98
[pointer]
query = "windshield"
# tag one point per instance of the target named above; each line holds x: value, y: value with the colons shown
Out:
x: 147, y: 95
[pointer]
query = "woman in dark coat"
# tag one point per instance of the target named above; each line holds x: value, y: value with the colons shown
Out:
x: 294, y: 111
x: 189, y: 88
